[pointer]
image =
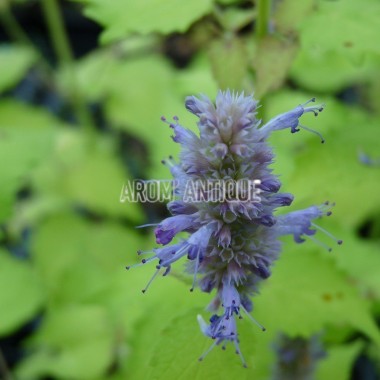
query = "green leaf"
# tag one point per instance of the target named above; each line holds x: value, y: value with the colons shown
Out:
x: 229, y: 62
x: 234, y: 19
x: 90, y: 179
x: 195, y: 80
x: 76, y: 259
x: 94, y: 71
x: 353, y: 25
x: 74, y: 342
x: 289, y: 14
x: 308, y: 292
x: 350, y: 57
x: 22, y: 127
x: 96, y: 183
x: 372, y: 94
x: 121, y: 18
x: 339, y: 362
x: 330, y: 71
x: 14, y: 61
x: 21, y: 296
x: 127, y: 104
x: 147, y: 85
x: 359, y: 258
x: 159, y: 92
x: 92, y: 74
x: 272, y: 62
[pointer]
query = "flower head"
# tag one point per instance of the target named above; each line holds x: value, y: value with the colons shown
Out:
x: 297, y: 357
x: 365, y: 159
x: 226, y: 200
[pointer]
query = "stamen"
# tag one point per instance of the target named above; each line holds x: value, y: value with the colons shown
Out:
x: 151, y: 280
x: 313, y: 131
x: 140, y: 252
x: 314, y: 109
x: 175, y: 257
x: 169, y: 162
x: 239, y: 353
x: 208, y: 351
x: 320, y: 243
x: 171, y: 125
x: 312, y: 100
x: 143, y: 262
x: 148, y: 225
x: 195, y: 271
x: 339, y: 241
x: 166, y: 121
x: 326, y: 208
x: 253, y: 319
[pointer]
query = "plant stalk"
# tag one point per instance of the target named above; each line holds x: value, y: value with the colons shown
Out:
x: 262, y: 30
x: 4, y: 370
x: 11, y: 26
x: 263, y: 18
x: 64, y: 54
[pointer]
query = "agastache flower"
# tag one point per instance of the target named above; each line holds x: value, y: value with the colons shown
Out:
x: 365, y: 159
x: 297, y: 357
x: 233, y: 240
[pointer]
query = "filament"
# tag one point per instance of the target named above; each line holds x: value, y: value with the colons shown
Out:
x: 339, y: 241
x: 151, y: 280
x: 313, y: 131
x: 253, y: 319
x: 320, y: 243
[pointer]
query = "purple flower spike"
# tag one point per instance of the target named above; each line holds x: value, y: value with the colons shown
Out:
x: 233, y: 231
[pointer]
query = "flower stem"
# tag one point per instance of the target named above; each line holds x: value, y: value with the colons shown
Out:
x: 263, y: 18
x: 262, y: 29
x: 14, y: 30
x: 4, y: 371
x: 11, y: 26
x: 63, y: 51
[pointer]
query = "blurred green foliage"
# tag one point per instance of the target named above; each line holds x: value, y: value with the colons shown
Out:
x: 65, y: 237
